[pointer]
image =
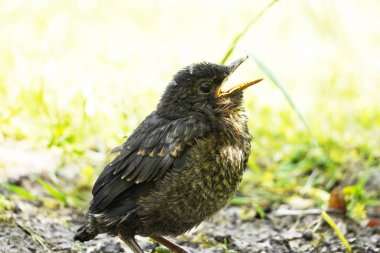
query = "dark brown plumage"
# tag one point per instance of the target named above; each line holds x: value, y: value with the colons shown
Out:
x: 181, y: 165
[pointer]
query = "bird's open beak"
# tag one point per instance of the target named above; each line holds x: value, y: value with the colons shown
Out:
x: 233, y: 66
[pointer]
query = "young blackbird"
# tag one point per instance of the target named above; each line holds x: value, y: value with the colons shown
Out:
x: 181, y: 165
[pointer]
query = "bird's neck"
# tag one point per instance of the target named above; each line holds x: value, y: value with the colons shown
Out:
x: 234, y: 124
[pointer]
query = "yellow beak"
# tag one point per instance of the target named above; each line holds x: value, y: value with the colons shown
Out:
x: 233, y: 66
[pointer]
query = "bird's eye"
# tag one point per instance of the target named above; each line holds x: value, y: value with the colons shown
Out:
x: 205, y: 88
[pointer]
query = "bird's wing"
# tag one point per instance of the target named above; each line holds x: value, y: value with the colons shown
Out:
x: 154, y: 147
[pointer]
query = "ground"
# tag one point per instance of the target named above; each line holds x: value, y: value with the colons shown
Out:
x: 33, y: 228
x: 42, y: 224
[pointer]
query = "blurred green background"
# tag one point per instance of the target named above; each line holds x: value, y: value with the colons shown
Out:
x: 78, y: 76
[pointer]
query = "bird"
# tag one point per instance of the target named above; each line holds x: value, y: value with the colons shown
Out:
x: 182, y: 164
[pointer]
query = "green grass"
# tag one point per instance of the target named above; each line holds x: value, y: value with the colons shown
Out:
x: 283, y: 157
x: 96, y: 94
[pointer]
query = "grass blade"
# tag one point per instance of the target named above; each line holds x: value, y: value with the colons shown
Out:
x: 20, y: 191
x: 278, y: 84
x: 332, y: 224
x: 232, y: 47
x: 240, y: 201
x: 265, y: 69
x: 53, y: 191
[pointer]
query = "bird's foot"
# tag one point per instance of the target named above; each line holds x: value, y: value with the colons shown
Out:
x: 170, y: 245
x: 131, y: 242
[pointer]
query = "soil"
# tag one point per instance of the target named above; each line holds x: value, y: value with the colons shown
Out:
x: 30, y: 227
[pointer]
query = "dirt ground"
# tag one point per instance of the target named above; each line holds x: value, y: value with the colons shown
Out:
x: 33, y: 228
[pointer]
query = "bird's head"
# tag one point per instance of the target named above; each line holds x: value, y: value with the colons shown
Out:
x: 199, y: 88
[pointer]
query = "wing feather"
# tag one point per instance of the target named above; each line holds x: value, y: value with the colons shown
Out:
x: 154, y: 148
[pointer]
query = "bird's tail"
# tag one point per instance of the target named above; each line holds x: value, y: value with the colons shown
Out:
x: 86, y: 232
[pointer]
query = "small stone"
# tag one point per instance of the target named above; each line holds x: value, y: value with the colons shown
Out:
x: 378, y: 244
x: 111, y: 247
x: 17, y: 209
x: 223, y: 239
x: 308, y: 235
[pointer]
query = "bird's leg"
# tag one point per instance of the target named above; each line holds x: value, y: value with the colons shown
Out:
x: 170, y: 245
x: 131, y: 242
